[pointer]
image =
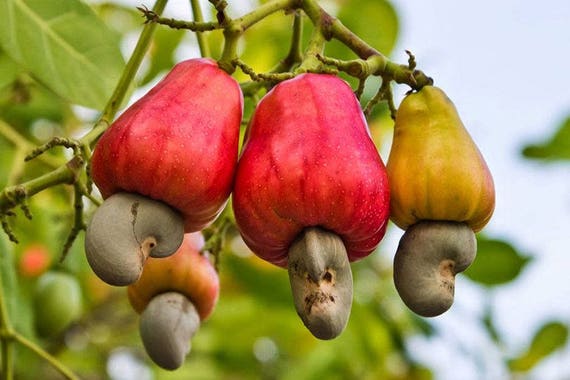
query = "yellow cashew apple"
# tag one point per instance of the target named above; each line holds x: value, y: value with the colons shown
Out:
x: 436, y: 171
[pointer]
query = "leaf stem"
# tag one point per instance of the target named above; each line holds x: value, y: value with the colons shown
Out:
x: 248, y: 20
x: 56, y: 364
x: 311, y: 63
x: 199, y: 17
x: 235, y: 28
x: 195, y: 26
x: 295, y: 54
x: 65, y: 174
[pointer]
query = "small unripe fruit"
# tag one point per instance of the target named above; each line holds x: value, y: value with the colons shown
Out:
x: 57, y: 303
x: 35, y: 260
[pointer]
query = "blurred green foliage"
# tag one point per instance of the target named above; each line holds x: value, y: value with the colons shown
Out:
x: 556, y: 148
x: 66, y: 47
x: 254, y: 332
x: 497, y: 262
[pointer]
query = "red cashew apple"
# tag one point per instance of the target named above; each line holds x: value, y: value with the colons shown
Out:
x: 311, y: 193
x: 173, y: 295
x: 164, y: 167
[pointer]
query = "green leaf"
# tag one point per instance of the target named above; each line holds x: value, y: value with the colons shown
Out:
x: 555, y: 148
x: 549, y: 338
x: 65, y: 46
x: 376, y: 22
x: 24, y: 103
x: 497, y: 262
x: 8, y: 70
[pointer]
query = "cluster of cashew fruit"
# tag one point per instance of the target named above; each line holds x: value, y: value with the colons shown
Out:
x: 441, y: 193
x: 310, y: 193
x: 165, y: 168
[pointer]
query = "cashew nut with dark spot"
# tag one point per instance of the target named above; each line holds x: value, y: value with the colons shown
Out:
x: 125, y: 230
x: 321, y: 281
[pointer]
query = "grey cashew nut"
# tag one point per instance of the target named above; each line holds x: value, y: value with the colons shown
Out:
x: 125, y: 230
x: 321, y: 281
x: 429, y: 256
x: 166, y: 326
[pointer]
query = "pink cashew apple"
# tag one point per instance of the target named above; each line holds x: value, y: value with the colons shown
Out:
x: 164, y: 167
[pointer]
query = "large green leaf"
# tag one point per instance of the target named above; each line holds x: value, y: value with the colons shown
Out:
x: 549, y: 338
x: 65, y: 46
x: 555, y: 148
x: 8, y: 70
x: 497, y: 262
x: 376, y: 22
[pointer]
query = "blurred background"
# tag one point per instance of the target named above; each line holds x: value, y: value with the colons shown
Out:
x: 504, y: 64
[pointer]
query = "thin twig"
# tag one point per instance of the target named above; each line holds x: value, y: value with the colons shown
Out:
x: 78, y: 222
x: 201, y: 37
x: 56, y: 364
x: 153, y: 18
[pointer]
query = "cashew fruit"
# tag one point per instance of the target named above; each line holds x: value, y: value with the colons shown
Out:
x: 311, y: 193
x: 436, y: 171
x: 164, y: 167
x: 172, y: 296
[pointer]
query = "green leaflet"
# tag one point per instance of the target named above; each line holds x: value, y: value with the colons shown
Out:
x: 557, y: 148
x: 550, y: 337
x: 497, y: 262
x: 65, y: 46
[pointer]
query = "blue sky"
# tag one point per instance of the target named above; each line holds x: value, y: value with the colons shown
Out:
x: 505, y: 65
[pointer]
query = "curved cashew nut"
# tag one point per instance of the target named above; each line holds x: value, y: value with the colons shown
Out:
x: 125, y: 230
x: 166, y: 326
x: 429, y: 256
x: 321, y: 281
